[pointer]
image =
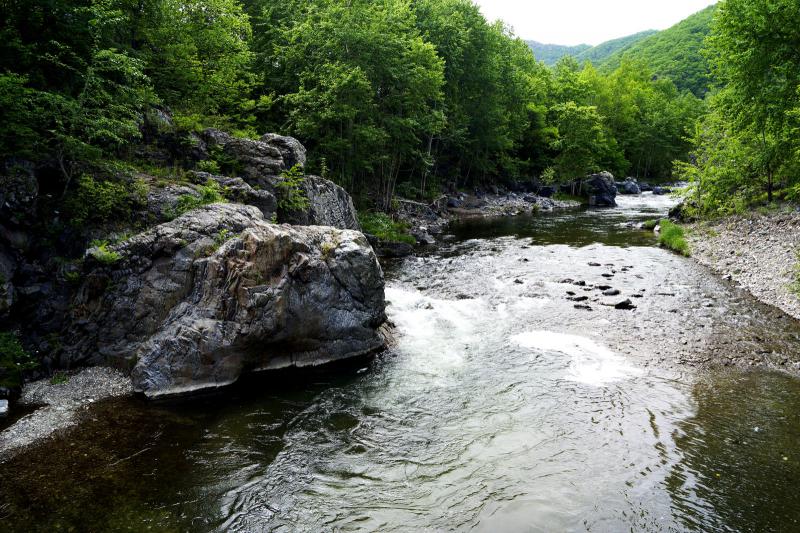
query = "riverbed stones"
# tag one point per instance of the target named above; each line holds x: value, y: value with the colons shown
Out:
x: 194, y: 303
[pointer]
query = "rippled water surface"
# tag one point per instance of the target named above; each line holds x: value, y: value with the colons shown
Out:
x: 501, y: 408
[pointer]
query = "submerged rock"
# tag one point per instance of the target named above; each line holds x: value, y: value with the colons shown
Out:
x: 194, y: 303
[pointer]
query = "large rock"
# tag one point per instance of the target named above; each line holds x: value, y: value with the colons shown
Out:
x: 238, y: 190
x: 291, y: 150
x: 258, y: 162
x: 600, y: 189
x: 194, y: 303
x: 328, y: 205
x: 629, y: 186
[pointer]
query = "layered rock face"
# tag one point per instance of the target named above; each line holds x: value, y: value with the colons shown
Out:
x: 194, y: 303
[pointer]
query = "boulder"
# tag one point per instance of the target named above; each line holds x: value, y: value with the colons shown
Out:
x: 258, y: 162
x: 238, y: 190
x: 390, y: 250
x: 645, y: 187
x: 292, y: 152
x: 659, y: 191
x: 546, y: 191
x: 328, y: 205
x: 629, y: 186
x: 194, y: 303
x: 601, y: 190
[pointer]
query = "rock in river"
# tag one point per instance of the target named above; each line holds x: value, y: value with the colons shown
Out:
x: 194, y: 303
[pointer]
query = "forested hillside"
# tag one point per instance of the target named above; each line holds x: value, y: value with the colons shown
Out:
x: 386, y: 95
x: 676, y: 53
x: 551, y: 53
x: 602, y: 52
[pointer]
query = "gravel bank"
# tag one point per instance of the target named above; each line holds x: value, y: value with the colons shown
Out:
x: 757, y: 252
x: 62, y: 405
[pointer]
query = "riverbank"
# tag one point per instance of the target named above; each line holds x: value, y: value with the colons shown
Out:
x: 59, y: 406
x: 757, y: 252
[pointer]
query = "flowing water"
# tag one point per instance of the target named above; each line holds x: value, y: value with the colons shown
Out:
x: 502, y: 407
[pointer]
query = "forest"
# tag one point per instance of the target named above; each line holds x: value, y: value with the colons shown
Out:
x: 396, y: 97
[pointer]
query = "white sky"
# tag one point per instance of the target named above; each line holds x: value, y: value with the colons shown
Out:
x: 573, y: 22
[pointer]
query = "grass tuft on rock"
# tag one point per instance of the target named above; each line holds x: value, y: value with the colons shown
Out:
x: 384, y: 228
x: 672, y: 237
x: 650, y: 225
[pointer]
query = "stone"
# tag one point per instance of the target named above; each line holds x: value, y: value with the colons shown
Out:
x: 194, y: 303
x: 625, y: 305
x: 611, y: 292
x: 258, y: 162
x: 292, y: 152
x: 601, y: 190
x: 328, y: 205
x: 4, y: 408
x: 239, y: 191
x: 630, y: 187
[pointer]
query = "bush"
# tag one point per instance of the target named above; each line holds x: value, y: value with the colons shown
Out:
x: 102, y: 254
x: 14, y: 360
x: 210, y: 193
x: 212, y: 167
x: 101, y: 201
x: 384, y: 228
x: 650, y: 225
x: 291, y: 195
x: 672, y: 237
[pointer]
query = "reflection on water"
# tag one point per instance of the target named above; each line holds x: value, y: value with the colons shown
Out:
x: 502, y: 408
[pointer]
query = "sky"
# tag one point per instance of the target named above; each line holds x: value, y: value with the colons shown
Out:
x: 572, y: 22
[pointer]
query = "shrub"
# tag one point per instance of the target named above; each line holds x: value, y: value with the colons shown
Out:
x: 210, y: 193
x: 384, y: 228
x: 672, y: 237
x: 291, y: 195
x: 103, y: 200
x: 212, y: 167
x: 59, y: 378
x: 650, y: 225
x: 102, y: 254
x: 14, y: 360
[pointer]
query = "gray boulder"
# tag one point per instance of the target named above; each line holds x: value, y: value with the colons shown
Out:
x: 194, y: 303
x: 258, y: 162
x: 630, y: 187
x: 291, y: 150
x: 328, y: 205
x: 600, y: 189
x: 239, y: 191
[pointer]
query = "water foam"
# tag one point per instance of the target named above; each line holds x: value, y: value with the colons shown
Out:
x: 590, y: 363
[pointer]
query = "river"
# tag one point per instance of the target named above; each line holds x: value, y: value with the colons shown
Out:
x: 517, y: 398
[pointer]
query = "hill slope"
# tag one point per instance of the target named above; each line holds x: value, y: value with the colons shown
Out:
x: 675, y: 53
x: 551, y: 53
x: 600, y: 53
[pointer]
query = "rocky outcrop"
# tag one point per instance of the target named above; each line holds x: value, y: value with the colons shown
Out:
x: 600, y: 189
x: 194, y: 303
x: 328, y: 205
x: 258, y: 162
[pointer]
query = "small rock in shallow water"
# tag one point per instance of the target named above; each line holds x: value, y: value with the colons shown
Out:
x: 3, y: 408
x: 625, y: 305
x: 578, y: 298
x: 595, y: 264
x: 611, y: 292
x: 518, y: 281
x: 583, y: 307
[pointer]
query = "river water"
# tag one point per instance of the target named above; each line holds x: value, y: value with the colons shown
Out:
x: 502, y: 407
